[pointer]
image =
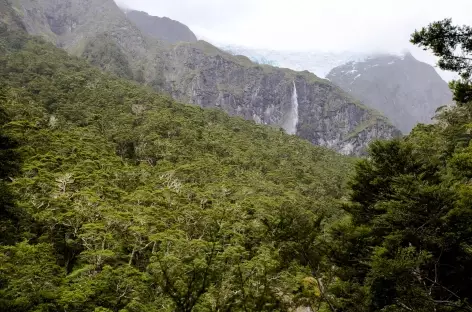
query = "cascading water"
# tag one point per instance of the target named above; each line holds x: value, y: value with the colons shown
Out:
x: 292, y: 118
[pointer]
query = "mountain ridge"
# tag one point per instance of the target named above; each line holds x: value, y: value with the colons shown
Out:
x: 199, y: 73
x: 404, y: 89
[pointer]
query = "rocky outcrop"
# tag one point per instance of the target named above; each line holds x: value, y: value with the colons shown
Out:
x: 402, y: 88
x: 161, y: 28
x: 325, y: 115
x: 201, y: 74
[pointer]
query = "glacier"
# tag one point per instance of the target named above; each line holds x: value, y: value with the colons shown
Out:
x: 318, y: 62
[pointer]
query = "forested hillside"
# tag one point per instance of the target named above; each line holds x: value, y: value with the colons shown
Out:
x: 117, y: 199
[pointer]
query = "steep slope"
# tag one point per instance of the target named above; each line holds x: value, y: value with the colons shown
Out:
x: 128, y: 201
x: 161, y: 28
x: 10, y: 17
x: 405, y: 90
x: 324, y: 114
x: 96, y: 29
x: 201, y: 74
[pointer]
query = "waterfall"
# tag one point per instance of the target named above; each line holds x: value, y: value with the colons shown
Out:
x: 291, y: 122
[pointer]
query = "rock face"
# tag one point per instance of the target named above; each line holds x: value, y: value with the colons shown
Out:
x: 326, y: 116
x: 161, y: 28
x: 201, y: 74
x: 402, y: 88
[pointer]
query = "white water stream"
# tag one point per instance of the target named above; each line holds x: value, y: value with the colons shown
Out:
x: 292, y: 120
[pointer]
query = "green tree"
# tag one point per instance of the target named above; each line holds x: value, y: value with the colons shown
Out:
x: 9, y: 167
x: 129, y: 201
x: 405, y: 248
x: 406, y: 244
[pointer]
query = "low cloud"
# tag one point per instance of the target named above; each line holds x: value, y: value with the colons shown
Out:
x: 315, y: 25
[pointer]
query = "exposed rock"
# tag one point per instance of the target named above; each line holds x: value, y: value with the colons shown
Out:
x: 161, y: 28
x: 201, y: 74
x: 402, y: 88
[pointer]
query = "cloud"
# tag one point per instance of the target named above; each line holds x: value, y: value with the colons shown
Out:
x: 307, y: 24
x: 324, y: 25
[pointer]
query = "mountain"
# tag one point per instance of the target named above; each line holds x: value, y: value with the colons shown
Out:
x: 400, y: 87
x: 161, y: 28
x: 116, y: 198
x: 404, y: 89
x: 201, y: 74
x: 9, y: 17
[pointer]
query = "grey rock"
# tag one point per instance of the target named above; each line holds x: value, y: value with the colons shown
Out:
x: 404, y: 89
x: 203, y: 75
x: 161, y: 28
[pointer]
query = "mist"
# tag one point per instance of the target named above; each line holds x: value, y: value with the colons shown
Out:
x: 310, y: 25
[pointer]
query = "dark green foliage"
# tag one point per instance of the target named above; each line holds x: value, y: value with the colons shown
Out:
x: 407, y: 245
x: 132, y: 202
x: 9, y: 167
x: 115, y: 198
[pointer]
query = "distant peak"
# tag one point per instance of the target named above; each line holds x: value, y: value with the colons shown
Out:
x: 408, y: 55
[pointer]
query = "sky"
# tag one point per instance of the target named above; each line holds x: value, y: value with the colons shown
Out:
x: 310, y: 25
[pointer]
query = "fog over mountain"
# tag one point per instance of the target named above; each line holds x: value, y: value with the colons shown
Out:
x: 309, y: 25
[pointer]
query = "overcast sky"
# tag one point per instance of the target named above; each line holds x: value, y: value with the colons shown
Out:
x: 325, y: 25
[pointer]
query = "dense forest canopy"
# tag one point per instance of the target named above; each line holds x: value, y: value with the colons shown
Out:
x: 115, y: 198
x: 408, y: 244
x: 127, y: 201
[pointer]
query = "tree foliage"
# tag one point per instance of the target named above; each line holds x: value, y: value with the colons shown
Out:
x: 115, y: 198
x: 132, y: 202
x: 406, y: 245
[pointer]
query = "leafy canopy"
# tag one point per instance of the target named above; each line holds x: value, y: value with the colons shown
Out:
x: 132, y: 202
